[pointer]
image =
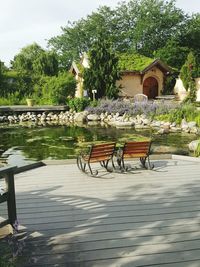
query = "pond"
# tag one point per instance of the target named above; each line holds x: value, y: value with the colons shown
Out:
x: 24, y: 144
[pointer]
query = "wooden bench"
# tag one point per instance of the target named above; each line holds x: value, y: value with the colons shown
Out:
x: 101, y: 153
x: 139, y: 150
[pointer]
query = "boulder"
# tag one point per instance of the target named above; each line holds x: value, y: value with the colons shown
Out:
x: 93, y: 123
x: 123, y: 124
x: 156, y: 124
x: 80, y: 117
x: 166, y: 125
x: 93, y: 117
x: 192, y: 124
x: 173, y: 124
x: 146, y: 121
x: 193, y: 145
x: 175, y: 129
x: 194, y: 130
x: 184, y: 125
x: 102, y: 116
x: 166, y: 150
x: 163, y: 131
x: 141, y: 126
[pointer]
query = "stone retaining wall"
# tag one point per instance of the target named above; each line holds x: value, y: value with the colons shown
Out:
x: 115, y: 120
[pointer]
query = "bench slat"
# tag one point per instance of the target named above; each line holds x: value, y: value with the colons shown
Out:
x: 98, y: 153
x: 134, y: 149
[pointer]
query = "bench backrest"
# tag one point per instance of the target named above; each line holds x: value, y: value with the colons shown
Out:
x: 101, y: 152
x: 136, y: 149
x: 140, y: 98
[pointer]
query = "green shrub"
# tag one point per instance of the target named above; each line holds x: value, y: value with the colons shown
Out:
x: 197, y: 152
x: 186, y: 111
x: 6, y: 263
x: 16, y: 82
x: 169, y: 84
x: 12, y: 99
x: 197, y: 104
x: 94, y: 103
x: 54, y: 89
x: 188, y: 73
x: 197, y: 119
x: 78, y: 104
x: 163, y: 117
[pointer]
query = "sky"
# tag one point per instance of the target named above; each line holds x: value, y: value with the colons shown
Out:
x: 23, y: 22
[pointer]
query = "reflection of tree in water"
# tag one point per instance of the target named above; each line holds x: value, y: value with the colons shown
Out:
x: 63, y: 142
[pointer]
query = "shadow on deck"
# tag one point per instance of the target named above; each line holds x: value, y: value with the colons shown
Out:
x: 144, y: 218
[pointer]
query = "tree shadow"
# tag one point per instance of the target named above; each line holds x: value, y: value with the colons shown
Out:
x: 147, y: 222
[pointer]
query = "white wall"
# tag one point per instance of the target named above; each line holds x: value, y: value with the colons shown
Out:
x: 180, y: 90
x: 198, y: 88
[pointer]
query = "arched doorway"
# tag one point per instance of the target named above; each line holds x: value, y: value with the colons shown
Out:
x: 150, y: 87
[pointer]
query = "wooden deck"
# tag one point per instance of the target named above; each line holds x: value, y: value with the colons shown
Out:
x: 35, y: 108
x: 143, y: 218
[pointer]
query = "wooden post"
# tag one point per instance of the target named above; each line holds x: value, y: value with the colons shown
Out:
x: 7, y: 173
x: 11, y: 202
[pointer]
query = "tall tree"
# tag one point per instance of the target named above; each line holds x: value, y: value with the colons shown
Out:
x: 176, y: 49
x: 173, y: 53
x: 78, y: 36
x: 190, y: 33
x: 34, y: 60
x: 140, y: 25
x: 3, y: 70
x: 103, y: 71
x: 189, y: 71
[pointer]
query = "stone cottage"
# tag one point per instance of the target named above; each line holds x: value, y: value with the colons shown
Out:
x: 140, y: 75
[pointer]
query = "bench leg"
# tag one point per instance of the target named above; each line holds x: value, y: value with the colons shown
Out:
x: 121, y: 164
x: 150, y: 166
x: 80, y: 164
x: 104, y: 164
x: 143, y: 162
x: 91, y: 171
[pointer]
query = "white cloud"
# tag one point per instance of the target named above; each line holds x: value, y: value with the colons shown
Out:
x: 23, y: 22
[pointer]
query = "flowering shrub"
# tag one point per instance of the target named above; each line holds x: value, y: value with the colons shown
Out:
x: 119, y: 106
x: 12, y: 247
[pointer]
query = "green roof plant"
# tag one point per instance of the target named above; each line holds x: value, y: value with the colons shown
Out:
x: 133, y: 62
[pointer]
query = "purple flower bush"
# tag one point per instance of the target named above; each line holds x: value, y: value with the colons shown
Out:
x: 149, y: 108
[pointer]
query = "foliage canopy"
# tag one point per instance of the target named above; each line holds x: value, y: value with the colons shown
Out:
x: 103, y: 71
x: 34, y: 60
x: 137, y: 25
x: 189, y: 71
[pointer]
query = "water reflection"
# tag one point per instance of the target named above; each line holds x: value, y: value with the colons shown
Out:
x: 33, y: 142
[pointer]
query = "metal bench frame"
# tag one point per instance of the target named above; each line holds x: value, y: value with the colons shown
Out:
x: 139, y: 150
x: 101, y: 153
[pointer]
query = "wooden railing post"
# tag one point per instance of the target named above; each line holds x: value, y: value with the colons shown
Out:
x: 11, y: 202
x: 7, y: 173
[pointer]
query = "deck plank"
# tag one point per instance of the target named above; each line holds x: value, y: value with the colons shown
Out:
x: 143, y: 218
